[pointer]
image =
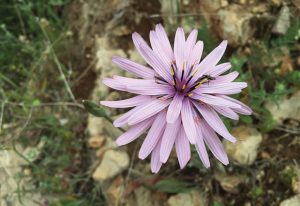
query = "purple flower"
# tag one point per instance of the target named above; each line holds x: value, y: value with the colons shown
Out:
x: 178, y: 98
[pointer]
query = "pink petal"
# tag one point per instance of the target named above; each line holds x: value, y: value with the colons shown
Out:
x: 123, y: 120
x: 147, y: 111
x: 244, y: 109
x: 134, y: 68
x: 126, y: 81
x: 215, y: 100
x: 182, y: 148
x: 223, y: 88
x: 114, y: 84
x: 138, y: 42
x: 196, y: 54
x: 134, y: 132
x: 219, y: 69
x: 179, y: 47
x: 168, y: 140
x: 148, y: 88
x: 190, y: 43
x: 154, y: 135
x: 188, y: 121
x: 174, y: 108
x: 158, y: 49
x: 212, y: 118
x: 226, y: 112
x: 143, y: 86
x: 226, y: 78
x: 159, y: 66
x: 155, y: 160
x: 131, y: 102
x: 164, y: 41
x: 201, y: 149
x: 210, y: 60
x: 214, y: 143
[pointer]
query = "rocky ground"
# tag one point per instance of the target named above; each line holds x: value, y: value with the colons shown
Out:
x: 264, y: 163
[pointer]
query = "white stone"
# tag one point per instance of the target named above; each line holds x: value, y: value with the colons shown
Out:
x: 293, y: 201
x: 244, y: 151
x: 235, y: 24
x: 193, y: 198
x: 283, y: 21
x: 286, y: 108
x: 112, y: 164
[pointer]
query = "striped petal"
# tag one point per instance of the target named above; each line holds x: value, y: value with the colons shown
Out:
x: 154, y: 135
x: 179, y: 47
x: 201, y: 149
x: 134, y: 68
x: 138, y: 41
x: 114, y: 84
x: 244, y: 109
x: 215, y: 100
x: 195, y: 56
x: 174, y: 108
x: 155, y: 160
x: 223, y: 88
x: 210, y: 61
x: 157, y: 64
x: 134, y: 132
x: 188, y: 121
x: 190, y: 43
x: 158, y: 49
x: 214, y: 143
x: 226, y: 112
x: 168, y: 140
x: 183, y: 150
x: 131, y: 102
x: 212, y: 118
x: 147, y: 111
x: 164, y: 41
x: 218, y: 70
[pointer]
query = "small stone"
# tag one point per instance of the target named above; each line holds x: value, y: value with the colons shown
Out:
x: 193, y: 198
x: 144, y: 197
x: 285, y: 109
x: 244, y: 151
x: 293, y: 201
x: 231, y: 183
x: 296, y: 180
x: 283, y: 21
x: 296, y: 3
x: 115, y: 191
x: 96, y: 141
x: 276, y: 2
x: 235, y: 24
x: 112, y: 164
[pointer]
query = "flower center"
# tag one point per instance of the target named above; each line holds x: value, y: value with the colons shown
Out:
x: 182, y: 80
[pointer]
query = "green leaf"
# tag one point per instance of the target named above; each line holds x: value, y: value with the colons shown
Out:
x: 94, y: 109
x: 257, y: 192
x: 171, y: 185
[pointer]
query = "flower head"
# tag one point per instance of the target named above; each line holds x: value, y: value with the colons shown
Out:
x: 178, y: 98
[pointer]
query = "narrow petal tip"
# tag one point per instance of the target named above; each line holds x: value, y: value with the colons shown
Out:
x: 224, y: 43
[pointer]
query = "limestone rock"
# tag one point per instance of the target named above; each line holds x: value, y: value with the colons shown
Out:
x: 283, y: 21
x: 115, y: 191
x: 193, y: 198
x: 296, y: 180
x: 244, y: 151
x: 96, y: 141
x: 235, y: 24
x: 231, y: 183
x: 293, y: 201
x: 286, y: 108
x: 112, y: 164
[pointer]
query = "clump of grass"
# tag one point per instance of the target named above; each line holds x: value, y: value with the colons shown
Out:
x: 37, y: 104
